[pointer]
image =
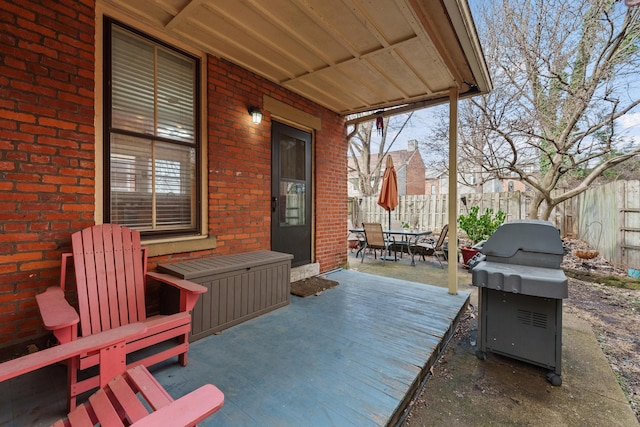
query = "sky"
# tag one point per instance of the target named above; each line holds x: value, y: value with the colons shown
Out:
x: 628, y: 125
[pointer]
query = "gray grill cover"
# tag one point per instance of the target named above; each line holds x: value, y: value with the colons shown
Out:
x: 523, y: 257
x: 526, y: 242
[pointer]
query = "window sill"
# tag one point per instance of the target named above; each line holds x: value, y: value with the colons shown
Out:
x: 179, y: 245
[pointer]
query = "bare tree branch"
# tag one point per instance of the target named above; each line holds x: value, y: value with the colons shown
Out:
x: 360, y: 145
x: 564, y: 72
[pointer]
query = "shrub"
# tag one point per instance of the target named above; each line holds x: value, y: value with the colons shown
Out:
x: 480, y: 227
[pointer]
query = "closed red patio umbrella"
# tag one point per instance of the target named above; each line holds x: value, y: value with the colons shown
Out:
x: 388, y: 197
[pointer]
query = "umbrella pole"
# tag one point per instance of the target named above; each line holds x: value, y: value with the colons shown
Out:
x: 389, y: 258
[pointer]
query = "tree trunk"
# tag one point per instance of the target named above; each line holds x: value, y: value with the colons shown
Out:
x: 535, y: 204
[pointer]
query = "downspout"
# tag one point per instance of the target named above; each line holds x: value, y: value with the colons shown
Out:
x: 453, y: 192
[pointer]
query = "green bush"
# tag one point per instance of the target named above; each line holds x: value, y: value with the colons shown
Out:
x: 480, y: 227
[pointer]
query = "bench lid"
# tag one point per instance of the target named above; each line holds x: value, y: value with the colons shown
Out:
x: 208, y: 266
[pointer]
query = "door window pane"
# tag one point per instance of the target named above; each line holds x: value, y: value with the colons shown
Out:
x: 292, y: 182
x: 292, y: 202
x: 292, y: 160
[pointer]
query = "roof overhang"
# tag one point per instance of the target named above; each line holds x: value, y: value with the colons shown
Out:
x: 350, y: 56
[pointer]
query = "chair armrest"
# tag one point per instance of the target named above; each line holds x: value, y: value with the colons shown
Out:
x: 55, y: 310
x: 186, y: 411
x: 426, y: 245
x: 429, y: 240
x: 182, y: 284
x: 189, y: 291
x: 49, y: 356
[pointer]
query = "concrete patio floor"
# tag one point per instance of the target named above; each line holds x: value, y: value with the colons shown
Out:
x: 465, y: 391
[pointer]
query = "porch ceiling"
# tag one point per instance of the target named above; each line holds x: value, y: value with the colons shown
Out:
x: 347, y: 55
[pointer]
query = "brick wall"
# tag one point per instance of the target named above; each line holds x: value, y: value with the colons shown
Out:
x: 240, y: 166
x: 415, y: 175
x: 47, y: 147
x: 331, y: 193
x: 428, y: 183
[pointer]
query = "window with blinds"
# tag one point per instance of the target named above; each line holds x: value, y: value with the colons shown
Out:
x: 151, y: 134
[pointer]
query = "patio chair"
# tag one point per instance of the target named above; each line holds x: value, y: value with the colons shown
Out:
x: 124, y: 396
x: 433, y: 247
x: 374, y: 239
x: 111, y: 272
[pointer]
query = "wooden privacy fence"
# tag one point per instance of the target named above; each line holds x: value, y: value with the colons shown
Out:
x: 616, y: 207
x: 606, y: 216
x: 429, y: 211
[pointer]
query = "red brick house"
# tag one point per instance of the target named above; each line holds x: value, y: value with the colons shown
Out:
x: 409, y: 167
x: 435, y: 181
x: 137, y: 113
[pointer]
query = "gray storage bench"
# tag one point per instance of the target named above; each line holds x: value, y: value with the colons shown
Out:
x: 240, y: 287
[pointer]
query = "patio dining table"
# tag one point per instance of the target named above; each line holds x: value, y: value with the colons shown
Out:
x: 409, y: 239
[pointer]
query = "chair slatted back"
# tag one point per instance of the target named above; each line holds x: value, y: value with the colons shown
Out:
x: 443, y: 235
x: 110, y: 267
x: 373, y: 234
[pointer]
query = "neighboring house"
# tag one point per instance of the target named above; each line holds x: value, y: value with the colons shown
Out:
x: 513, y: 185
x: 437, y: 182
x: 408, y: 165
x: 434, y: 181
x: 137, y: 113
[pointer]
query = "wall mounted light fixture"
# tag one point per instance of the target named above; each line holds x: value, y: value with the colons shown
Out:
x: 256, y: 114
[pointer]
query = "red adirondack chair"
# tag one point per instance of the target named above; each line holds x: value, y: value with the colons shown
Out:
x: 124, y: 396
x: 111, y: 272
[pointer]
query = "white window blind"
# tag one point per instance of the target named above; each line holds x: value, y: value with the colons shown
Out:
x: 152, y: 135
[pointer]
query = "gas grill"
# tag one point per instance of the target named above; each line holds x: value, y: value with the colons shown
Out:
x: 521, y: 287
